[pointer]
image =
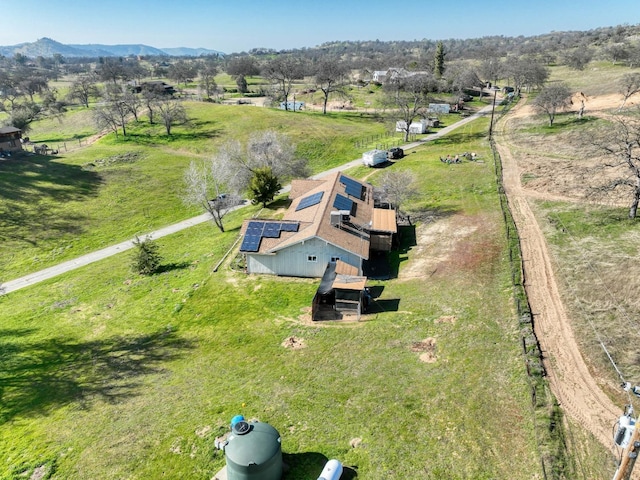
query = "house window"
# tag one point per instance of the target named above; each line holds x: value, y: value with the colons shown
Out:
x: 312, y: 258
x: 334, y: 259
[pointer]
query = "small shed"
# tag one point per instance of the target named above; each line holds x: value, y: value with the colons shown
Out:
x: 341, y: 293
x: 10, y: 139
x: 383, y: 228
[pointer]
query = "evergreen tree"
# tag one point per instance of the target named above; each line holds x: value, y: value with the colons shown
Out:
x: 264, y: 185
x: 438, y: 62
x: 145, y: 259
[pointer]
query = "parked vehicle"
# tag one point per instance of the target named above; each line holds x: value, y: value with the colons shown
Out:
x: 373, y: 158
x: 395, y: 153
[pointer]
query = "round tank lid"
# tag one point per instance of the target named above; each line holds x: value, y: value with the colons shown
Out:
x: 241, y: 427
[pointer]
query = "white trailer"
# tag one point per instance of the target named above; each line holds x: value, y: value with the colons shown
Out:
x: 374, y: 157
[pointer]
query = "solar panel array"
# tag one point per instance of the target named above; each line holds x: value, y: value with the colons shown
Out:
x: 352, y: 187
x: 257, y: 230
x: 343, y: 203
x: 309, y: 201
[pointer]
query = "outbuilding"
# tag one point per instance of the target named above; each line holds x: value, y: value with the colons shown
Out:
x: 10, y: 139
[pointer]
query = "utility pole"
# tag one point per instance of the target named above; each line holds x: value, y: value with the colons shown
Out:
x: 493, y: 108
x: 629, y: 456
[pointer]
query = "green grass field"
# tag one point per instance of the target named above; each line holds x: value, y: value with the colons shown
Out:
x: 57, y: 208
x: 106, y: 374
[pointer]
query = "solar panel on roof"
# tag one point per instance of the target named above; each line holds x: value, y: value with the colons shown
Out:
x: 352, y: 188
x: 343, y: 203
x: 254, y: 228
x: 250, y: 243
x: 309, y: 201
x: 289, y: 227
x: 271, y: 230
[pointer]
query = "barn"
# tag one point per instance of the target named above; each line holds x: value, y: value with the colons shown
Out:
x: 328, y: 220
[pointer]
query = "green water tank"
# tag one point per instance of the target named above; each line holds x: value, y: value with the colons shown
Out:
x: 253, y: 452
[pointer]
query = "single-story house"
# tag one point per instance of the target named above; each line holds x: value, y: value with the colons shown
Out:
x: 157, y: 86
x: 382, y: 76
x: 10, y: 139
x: 329, y: 219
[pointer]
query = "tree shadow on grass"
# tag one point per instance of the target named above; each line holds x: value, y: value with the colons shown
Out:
x: 31, y: 189
x: 37, y: 375
x: 168, y: 267
x: 35, y: 177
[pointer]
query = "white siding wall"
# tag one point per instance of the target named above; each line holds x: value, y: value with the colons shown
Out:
x: 294, y: 261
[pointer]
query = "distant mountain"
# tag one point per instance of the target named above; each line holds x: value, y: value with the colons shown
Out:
x: 46, y: 47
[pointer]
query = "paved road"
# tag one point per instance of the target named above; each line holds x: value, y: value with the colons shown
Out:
x: 64, y: 267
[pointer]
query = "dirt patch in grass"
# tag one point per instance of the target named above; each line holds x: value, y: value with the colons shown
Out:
x: 127, y: 157
x: 447, y: 319
x: 294, y: 343
x: 455, y: 243
x: 426, y: 348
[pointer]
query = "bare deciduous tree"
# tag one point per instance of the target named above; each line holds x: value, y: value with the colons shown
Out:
x: 171, y: 112
x: 408, y: 98
x: 330, y: 77
x: 398, y: 186
x: 82, y: 89
x: 622, y: 146
x: 553, y: 99
x: 282, y: 71
x: 207, y: 186
x: 629, y: 86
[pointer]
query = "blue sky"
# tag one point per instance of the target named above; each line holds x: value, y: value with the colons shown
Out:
x: 234, y: 26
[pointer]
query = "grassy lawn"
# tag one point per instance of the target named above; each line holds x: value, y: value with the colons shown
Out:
x: 57, y: 208
x: 106, y: 374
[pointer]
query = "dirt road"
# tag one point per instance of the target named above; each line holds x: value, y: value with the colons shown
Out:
x: 570, y: 379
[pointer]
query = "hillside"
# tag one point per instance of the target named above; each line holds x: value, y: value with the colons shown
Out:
x: 46, y: 47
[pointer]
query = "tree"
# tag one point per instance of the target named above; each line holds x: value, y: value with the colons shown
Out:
x: 578, y: 58
x: 208, y: 71
x: 182, y: 72
x: 282, y: 71
x: 264, y: 151
x: 145, y: 259
x: 526, y: 73
x: 241, y: 82
x: 207, y: 185
x: 246, y: 66
x: 409, y: 98
x: 82, y: 89
x: 629, y: 86
x: 622, y: 145
x: 113, y: 114
x: 110, y: 69
x: 330, y: 77
x: 552, y: 99
x: 133, y: 102
x: 171, y: 112
x: 398, y: 186
x: 264, y: 186
x: 438, y: 60
x: 151, y: 96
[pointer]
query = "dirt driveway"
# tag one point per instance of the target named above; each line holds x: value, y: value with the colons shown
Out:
x: 571, y: 381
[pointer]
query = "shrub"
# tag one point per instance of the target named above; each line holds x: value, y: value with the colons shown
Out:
x: 145, y: 259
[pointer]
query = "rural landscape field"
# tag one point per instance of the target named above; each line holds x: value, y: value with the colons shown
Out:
x: 494, y: 350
